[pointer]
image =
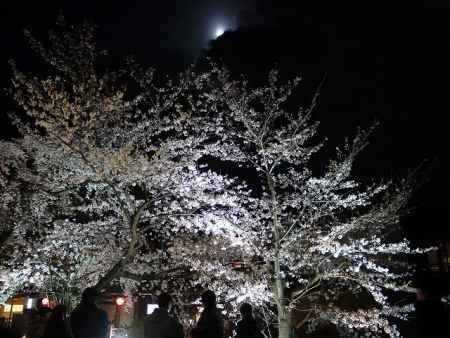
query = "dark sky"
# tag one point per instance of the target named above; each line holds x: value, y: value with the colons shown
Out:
x: 164, y: 33
x: 385, y: 61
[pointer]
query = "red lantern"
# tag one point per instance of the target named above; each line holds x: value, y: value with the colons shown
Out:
x: 45, y: 302
x: 120, y: 301
x: 237, y: 264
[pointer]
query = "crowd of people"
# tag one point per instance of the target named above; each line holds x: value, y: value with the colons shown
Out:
x: 87, y: 320
x: 160, y: 324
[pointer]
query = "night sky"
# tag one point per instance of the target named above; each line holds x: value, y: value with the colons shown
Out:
x: 382, y: 63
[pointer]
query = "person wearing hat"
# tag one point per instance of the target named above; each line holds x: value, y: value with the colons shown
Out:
x: 87, y: 320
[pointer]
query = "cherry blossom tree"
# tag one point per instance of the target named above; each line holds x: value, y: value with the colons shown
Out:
x: 104, y: 174
x: 322, y: 234
x: 114, y: 183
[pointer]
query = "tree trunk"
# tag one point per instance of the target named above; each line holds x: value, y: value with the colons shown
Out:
x: 118, y: 268
x: 115, y: 272
x: 285, y: 329
x: 284, y: 322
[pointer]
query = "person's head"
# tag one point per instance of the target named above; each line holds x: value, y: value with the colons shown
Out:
x: 44, y: 312
x: 58, y: 313
x: 164, y: 301
x: 208, y: 299
x: 89, y: 296
x: 246, y: 310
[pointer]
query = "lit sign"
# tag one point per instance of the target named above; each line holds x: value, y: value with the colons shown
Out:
x: 16, y: 308
x: 151, y: 308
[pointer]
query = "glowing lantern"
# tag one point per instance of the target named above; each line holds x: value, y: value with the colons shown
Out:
x: 45, y: 302
x: 120, y: 301
x: 237, y: 264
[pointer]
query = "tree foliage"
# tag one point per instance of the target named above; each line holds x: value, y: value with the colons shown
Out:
x: 322, y: 233
x: 118, y: 179
x: 103, y: 174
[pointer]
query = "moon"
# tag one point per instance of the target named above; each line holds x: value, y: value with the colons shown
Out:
x: 219, y: 31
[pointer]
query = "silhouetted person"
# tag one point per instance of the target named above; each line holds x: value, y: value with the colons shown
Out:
x: 160, y: 324
x: 6, y: 332
x: 210, y: 324
x: 247, y: 327
x: 432, y: 319
x: 57, y: 325
x: 87, y: 320
x: 38, y: 322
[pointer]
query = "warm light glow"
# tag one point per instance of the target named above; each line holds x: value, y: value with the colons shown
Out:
x: 120, y: 301
x: 45, y: 301
x: 199, y: 312
x: 15, y: 308
x: 151, y: 308
x: 219, y: 31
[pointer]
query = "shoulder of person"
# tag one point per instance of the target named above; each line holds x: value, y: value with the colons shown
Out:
x: 150, y: 317
x: 217, y: 313
x: 211, y: 315
x: 102, y: 312
x: 240, y: 323
x: 76, y: 310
